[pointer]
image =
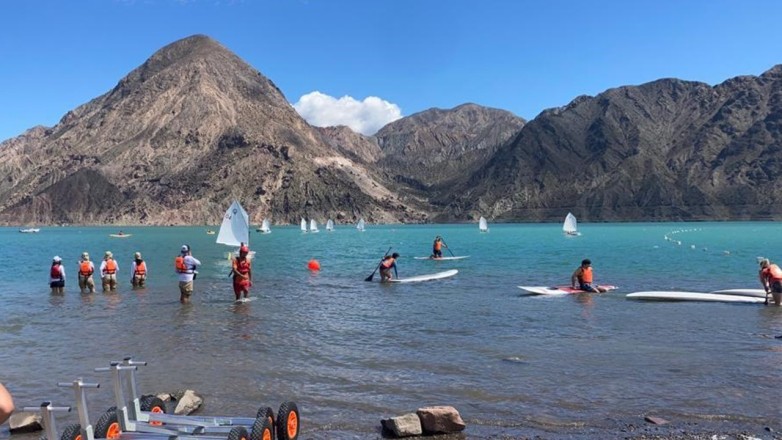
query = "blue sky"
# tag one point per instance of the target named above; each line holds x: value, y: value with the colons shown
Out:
x: 406, y: 55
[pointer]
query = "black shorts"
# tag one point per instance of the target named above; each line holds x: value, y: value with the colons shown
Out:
x: 60, y: 283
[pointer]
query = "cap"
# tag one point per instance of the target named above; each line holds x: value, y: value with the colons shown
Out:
x: 108, y: 254
x: 244, y: 249
x: 85, y: 256
x: 395, y: 255
x: 185, y: 248
x: 56, y: 259
x: 137, y: 255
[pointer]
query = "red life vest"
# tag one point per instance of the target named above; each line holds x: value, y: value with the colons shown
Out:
x: 84, y: 269
x: 242, y: 266
x: 387, y: 263
x: 141, y: 268
x: 772, y: 273
x: 111, y: 267
x: 180, y: 266
x: 55, y: 272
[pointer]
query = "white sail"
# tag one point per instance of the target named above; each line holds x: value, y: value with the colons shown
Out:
x: 303, y: 225
x: 360, y: 225
x: 235, y: 228
x: 570, y: 227
x: 482, y: 225
x: 330, y: 225
x: 266, y: 227
x: 313, y: 225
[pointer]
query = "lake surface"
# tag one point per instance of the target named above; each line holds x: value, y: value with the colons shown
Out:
x: 351, y: 352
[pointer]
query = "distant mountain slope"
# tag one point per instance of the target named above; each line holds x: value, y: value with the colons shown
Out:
x: 668, y: 149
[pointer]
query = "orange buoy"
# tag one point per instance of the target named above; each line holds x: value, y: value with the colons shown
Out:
x: 313, y: 265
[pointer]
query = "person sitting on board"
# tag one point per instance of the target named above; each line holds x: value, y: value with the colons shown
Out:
x: 437, y: 247
x: 389, y: 261
x: 108, y: 272
x: 242, y: 273
x: 57, y: 276
x: 771, y: 278
x: 86, y: 269
x: 139, y: 271
x: 185, y: 265
x: 582, y: 278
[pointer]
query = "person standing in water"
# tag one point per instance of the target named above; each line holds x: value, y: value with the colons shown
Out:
x: 57, y: 276
x: 242, y: 273
x: 108, y: 272
x: 138, y: 272
x: 771, y: 279
x: 389, y: 261
x: 186, y: 265
x: 86, y: 269
x: 437, y: 247
x: 582, y: 278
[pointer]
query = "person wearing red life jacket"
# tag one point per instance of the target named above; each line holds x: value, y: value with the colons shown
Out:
x: 108, y: 272
x: 138, y: 272
x: 582, y: 278
x: 242, y: 273
x: 86, y: 269
x: 771, y: 279
x: 57, y: 276
x: 389, y: 262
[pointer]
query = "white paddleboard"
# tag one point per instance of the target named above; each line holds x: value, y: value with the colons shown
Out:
x: 461, y: 257
x: 757, y: 293
x: 559, y: 290
x: 434, y: 276
x: 120, y: 236
x: 692, y: 296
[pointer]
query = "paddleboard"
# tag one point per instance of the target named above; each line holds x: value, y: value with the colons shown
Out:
x: 692, y: 296
x: 559, y: 290
x: 434, y: 276
x: 120, y: 236
x: 757, y: 293
x: 461, y: 257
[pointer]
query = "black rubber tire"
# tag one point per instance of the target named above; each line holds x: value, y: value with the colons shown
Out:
x: 266, y: 411
x: 149, y: 403
x: 261, y: 429
x: 289, y: 413
x: 105, y: 423
x: 238, y: 433
x: 71, y: 432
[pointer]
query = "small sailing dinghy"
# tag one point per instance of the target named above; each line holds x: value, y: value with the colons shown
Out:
x: 570, y: 227
x: 265, y: 227
x: 235, y: 228
x: 482, y: 225
x: 360, y: 225
x: 314, y: 226
x: 303, y: 225
x: 330, y: 225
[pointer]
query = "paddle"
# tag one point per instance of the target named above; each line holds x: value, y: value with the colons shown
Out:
x: 449, y: 249
x: 372, y: 275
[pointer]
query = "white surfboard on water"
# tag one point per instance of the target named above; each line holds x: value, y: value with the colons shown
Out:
x: 433, y: 276
x: 560, y: 290
x: 692, y: 296
x: 461, y: 257
x: 757, y: 293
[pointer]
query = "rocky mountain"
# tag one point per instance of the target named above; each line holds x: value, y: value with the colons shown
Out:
x: 666, y: 150
x: 176, y: 140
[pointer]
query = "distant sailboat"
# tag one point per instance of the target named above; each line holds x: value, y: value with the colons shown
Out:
x: 482, y: 225
x: 330, y: 225
x: 313, y: 225
x: 265, y: 227
x: 303, y: 225
x: 570, y: 227
x: 235, y: 228
x: 360, y: 225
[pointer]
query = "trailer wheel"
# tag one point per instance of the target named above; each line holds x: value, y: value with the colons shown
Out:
x: 153, y: 404
x: 71, y: 432
x: 288, y: 422
x: 261, y: 429
x: 238, y: 433
x: 108, y: 426
x: 268, y: 413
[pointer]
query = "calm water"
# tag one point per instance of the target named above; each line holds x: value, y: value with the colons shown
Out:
x: 351, y: 352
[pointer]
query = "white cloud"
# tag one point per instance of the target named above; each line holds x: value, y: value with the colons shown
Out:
x: 366, y: 117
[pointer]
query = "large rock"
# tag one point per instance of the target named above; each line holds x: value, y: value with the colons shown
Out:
x: 403, y: 426
x: 188, y: 403
x: 440, y: 420
x: 25, y: 422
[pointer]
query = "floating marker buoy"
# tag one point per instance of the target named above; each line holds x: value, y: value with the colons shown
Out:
x: 313, y: 265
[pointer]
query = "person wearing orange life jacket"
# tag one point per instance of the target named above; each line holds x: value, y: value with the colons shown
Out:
x: 185, y: 265
x: 771, y: 279
x: 108, y: 272
x: 242, y: 273
x: 582, y: 278
x: 86, y: 269
x: 389, y: 261
x: 437, y: 247
x: 57, y: 276
x: 138, y: 271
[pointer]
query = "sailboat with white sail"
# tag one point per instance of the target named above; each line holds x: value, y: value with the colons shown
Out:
x: 265, y: 227
x: 360, y: 225
x: 235, y: 228
x: 314, y: 226
x: 482, y: 225
x: 303, y: 225
x: 570, y: 227
x: 330, y: 225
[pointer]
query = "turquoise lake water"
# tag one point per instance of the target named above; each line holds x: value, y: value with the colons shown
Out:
x: 351, y: 352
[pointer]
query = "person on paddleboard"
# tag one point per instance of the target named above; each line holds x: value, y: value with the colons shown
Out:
x: 185, y: 265
x: 437, y: 247
x: 582, y: 278
x: 138, y: 272
x: 771, y: 279
x: 242, y: 273
x: 86, y: 269
x: 389, y: 261
x: 57, y: 276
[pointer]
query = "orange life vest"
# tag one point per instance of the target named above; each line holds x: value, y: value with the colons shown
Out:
x: 55, y: 272
x: 772, y: 273
x: 180, y: 266
x: 387, y: 263
x: 242, y: 266
x: 84, y: 269
x: 586, y: 276
x: 141, y: 268
x: 111, y: 267
x: 438, y: 245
